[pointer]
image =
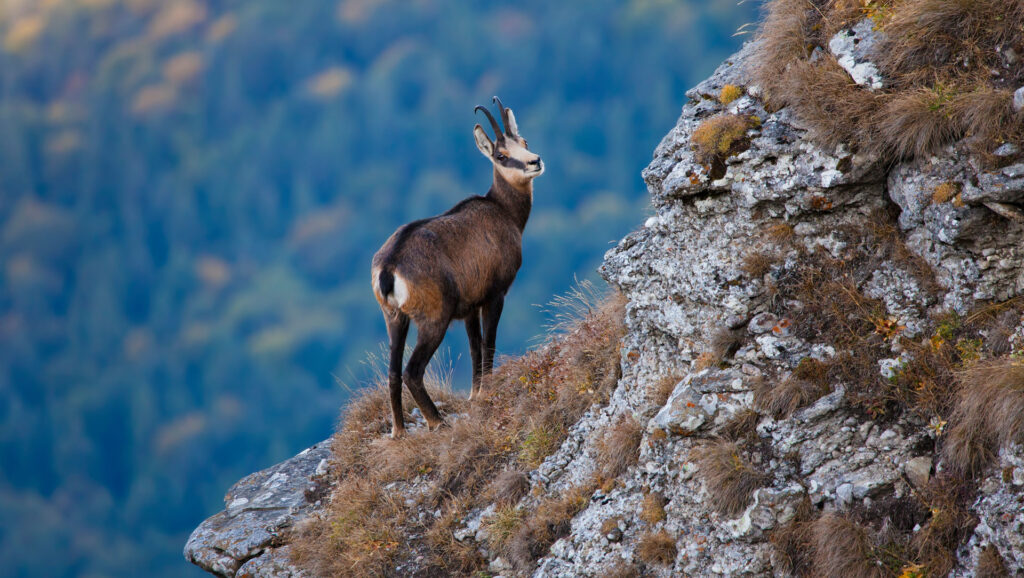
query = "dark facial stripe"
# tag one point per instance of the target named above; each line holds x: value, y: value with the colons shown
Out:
x: 513, y: 164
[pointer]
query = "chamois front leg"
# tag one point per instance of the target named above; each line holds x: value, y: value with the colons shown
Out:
x: 398, y: 329
x: 492, y: 314
x: 429, y: 338
x: 475, y: 351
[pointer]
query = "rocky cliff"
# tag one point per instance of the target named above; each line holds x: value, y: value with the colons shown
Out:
x: 805, y: 327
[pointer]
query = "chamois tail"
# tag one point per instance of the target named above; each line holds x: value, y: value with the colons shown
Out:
x: 386, y: 282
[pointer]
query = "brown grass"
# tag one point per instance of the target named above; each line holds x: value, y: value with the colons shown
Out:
x: 792, y: 542
x: 730, y: 479
x: 721, y: 136
x: 366, y: 530
x: 779, y: 232
x: 657, y: 548
x: 742, y: 426
x: 724, y: 342
x: 989, y: 414
x: 662, y: 390
x: 782, y: 399
x: 610, y: 524
x: 541, y: 528
x: 842, y: 549
x: 937, y: 57
x: 622, y: 569
x: 948, y: 499
x: 807, y: 383
x: 836, y: 311
x: 653, y: 510
x: 729, y: 93
x: 619, y: 448
x: 756, y: 263
x: 945, y: 192
x: 916, y: 535
x: 991, y: 564
x: 509, y: 487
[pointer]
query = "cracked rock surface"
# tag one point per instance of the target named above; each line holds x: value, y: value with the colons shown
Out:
x: 248, y: 538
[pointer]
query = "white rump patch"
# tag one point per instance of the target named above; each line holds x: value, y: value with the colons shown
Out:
x: 400, y: 295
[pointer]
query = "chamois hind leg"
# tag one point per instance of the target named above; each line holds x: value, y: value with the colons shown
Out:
x: 475, y: 349
x: 492, y: 314
x: 398, y: 329
x: 428, y: 339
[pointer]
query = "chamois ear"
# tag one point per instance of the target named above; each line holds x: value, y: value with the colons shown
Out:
x: 483, y: 142
x: 512, y: 127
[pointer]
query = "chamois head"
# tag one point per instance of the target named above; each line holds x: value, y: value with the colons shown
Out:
x: 509, y: 153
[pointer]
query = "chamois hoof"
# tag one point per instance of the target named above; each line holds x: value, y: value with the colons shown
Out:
x: 397, y: 433
x: 439, y: 425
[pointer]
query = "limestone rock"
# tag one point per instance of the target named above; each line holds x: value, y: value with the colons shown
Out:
x: 259, y: 511
x: 853, y: 49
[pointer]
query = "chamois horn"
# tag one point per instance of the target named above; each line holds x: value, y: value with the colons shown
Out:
x: 494, y: 123
x: 504, y: 117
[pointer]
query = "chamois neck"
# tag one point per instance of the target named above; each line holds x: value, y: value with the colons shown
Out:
x: 516, y: 200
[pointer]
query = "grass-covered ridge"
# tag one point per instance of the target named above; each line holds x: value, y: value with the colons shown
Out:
x: 950, y: 69
x: 395, y: 500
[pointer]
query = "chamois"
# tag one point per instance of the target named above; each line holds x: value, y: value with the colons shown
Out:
x: 457, y: 265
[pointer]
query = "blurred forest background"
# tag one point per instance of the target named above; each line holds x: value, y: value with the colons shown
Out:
x: 190, y: 193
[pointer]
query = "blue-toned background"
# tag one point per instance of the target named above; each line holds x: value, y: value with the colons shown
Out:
x: 190, y: 193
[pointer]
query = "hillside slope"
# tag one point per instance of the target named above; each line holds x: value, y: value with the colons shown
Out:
x: 820, y: 374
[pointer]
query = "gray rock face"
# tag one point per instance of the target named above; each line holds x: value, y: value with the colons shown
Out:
x: 963, y: 220
x: 682, y: 274
x: 853, y: 49
x: 248, y: 538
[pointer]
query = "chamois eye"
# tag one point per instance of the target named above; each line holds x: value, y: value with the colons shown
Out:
x: 501, y: 157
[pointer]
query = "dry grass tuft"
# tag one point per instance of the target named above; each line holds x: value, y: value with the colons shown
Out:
x: 541, y: 440
x: 619, y: 448
x: 622, y: 569
x: 991, y: 564
x: 756, y: 263
x: 989, y: 414
x: 807, y: 383
x: 525, y: 412
x: 835, y: 310
x: 782, y: 399
x: 910, y: 536
x: 946, y: 76
x: 792, y: 542
x: 724, y: 342
x: 742, y: 426
x: 539, y: 530
x: 730, y: 92
x: 610, y: 524
x: 653, y: 508
x: 509, y: 487
x: 721, y: 136
x: 657, y: 548
x: 918, y: 121
x: 779, y: 232
x: 662, y: 390
x: 945, y: 192
x: 729, y: 478
x: 948, y: 499
x: 505, y: 522
x: 842, y: 548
